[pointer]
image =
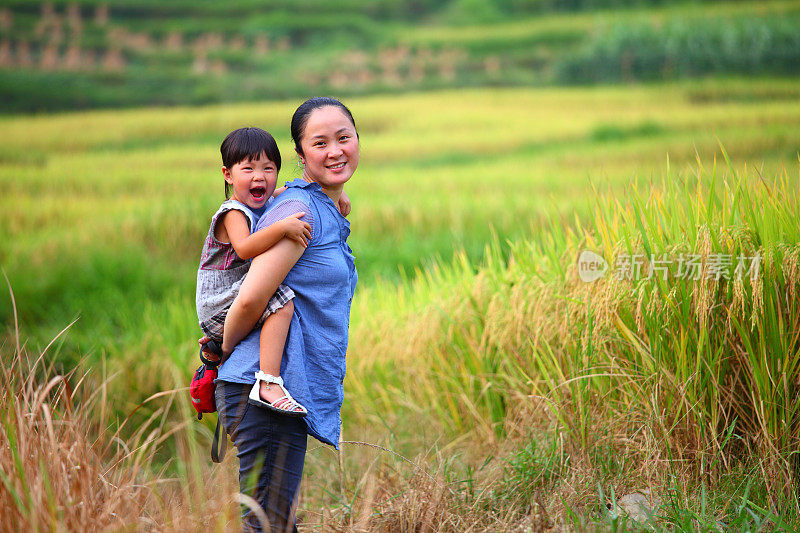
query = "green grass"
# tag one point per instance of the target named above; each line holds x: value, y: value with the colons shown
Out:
x: 495, y: 344
x: 387, y: 48
x: 576, y: 24
x: 83, y: 214
x: 670, y: 385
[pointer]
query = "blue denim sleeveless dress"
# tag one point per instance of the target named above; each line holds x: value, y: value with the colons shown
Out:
x: 323, y: 280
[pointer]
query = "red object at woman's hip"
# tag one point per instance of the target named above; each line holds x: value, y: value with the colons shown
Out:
x: 202, y: 388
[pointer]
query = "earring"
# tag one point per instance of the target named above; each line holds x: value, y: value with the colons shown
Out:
x: 301, y: 163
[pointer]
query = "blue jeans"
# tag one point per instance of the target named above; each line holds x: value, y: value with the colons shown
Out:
x: 271, y: 449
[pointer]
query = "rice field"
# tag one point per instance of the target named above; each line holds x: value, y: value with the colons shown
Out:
x: 543, y: 396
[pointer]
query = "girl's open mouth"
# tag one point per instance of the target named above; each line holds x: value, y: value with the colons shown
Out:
x: 258, y: 193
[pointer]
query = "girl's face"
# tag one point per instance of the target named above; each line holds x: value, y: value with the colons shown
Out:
x: 253, y: 180
x: 330, y: 147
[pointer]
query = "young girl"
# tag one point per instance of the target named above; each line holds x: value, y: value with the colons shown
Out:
x: 251, y: 161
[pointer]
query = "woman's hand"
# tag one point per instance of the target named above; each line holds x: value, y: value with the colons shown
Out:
x: 296, y: 229
x: 344, y: 204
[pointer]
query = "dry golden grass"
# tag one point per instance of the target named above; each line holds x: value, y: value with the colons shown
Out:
x: 64, y: 466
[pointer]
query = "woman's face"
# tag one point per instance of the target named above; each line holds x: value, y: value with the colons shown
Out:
x: 330, y: 147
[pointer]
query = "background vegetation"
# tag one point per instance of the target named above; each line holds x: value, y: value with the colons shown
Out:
x: 488, y: 387
x: 88, y: 54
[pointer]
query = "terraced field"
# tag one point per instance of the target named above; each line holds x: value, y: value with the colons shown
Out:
x: 460, y: 197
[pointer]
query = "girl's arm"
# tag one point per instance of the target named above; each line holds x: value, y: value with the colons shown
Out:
x: 248, y: 246
x: 266, y: 272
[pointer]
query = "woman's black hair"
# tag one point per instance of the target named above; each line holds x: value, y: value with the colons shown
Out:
x: 300, y: 117
x: 248, y: 143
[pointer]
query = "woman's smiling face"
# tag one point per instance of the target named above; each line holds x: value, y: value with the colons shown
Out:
x: 330, y: 147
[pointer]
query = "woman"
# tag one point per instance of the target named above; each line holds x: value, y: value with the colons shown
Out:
x: 323, y: 277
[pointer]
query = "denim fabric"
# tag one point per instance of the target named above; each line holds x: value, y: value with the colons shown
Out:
x: 323, y: 280
x: 271, y: 449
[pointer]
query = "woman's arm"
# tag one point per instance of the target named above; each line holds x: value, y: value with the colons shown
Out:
x: 266, y: 272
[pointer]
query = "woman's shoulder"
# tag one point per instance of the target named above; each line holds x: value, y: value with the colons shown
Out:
x: 297, y: 190
x: 294, y: 195
x: 291, y: 201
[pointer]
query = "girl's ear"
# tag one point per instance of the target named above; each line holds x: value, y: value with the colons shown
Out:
x: 227, y: 174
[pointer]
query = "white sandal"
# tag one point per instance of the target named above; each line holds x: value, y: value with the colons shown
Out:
x: 285, y: 405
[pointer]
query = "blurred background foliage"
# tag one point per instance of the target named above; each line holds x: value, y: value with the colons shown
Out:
x: 89, y: 54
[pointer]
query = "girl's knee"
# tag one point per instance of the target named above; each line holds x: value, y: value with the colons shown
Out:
x: 286, y: 310
x: 249, y: 303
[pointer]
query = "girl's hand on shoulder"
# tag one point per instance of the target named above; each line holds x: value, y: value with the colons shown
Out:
x: 296, y: 229
x: 344, y: 204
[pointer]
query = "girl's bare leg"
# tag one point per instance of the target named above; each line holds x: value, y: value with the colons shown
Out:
x: 273, y: 339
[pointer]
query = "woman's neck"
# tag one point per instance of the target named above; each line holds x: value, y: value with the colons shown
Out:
x: 332, y: 193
